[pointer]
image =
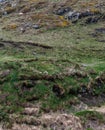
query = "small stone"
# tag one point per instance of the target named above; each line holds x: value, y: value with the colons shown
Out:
x: 62, y: 11
x: 36, y: 26
x: 20, y: 13
x: 5, y: 13
x: 73, y: 15
x: 22, y: 30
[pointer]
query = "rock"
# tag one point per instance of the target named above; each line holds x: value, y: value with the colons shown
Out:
x: 100, y: 30
x: 5, y: 13
x: 36, y: 26
x: 62, y: 11
x: 73, y: 16
x: 86, y: 14
x: 21, y: 13
x: 92, y: 20
x: 22, y: 29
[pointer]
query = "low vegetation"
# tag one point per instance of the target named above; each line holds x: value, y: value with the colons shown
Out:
x: 55, y: 68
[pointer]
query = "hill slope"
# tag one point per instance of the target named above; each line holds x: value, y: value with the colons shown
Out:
x: 52, y: 62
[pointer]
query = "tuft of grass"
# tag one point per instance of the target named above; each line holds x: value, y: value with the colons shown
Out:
x: 91, y: 115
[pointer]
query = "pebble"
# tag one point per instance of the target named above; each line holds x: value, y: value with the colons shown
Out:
x: 36, y: 26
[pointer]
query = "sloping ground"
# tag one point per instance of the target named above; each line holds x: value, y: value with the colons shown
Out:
x: 52, y: 57
x: 45, y: 15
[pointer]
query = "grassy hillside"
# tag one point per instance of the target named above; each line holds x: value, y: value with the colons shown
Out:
x: 56, y: 66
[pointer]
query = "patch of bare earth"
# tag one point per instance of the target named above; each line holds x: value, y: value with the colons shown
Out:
x: 30, y: 120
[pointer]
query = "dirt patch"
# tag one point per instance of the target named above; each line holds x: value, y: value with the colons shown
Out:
x: 54, y: 121
x: 100, y: 109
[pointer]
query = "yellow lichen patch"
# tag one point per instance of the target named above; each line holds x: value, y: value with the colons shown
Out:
x: 50, y: 21
x: 95, y: 10
x: 11, y: 26
x: 61, y: 17
x: 63, y: 22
